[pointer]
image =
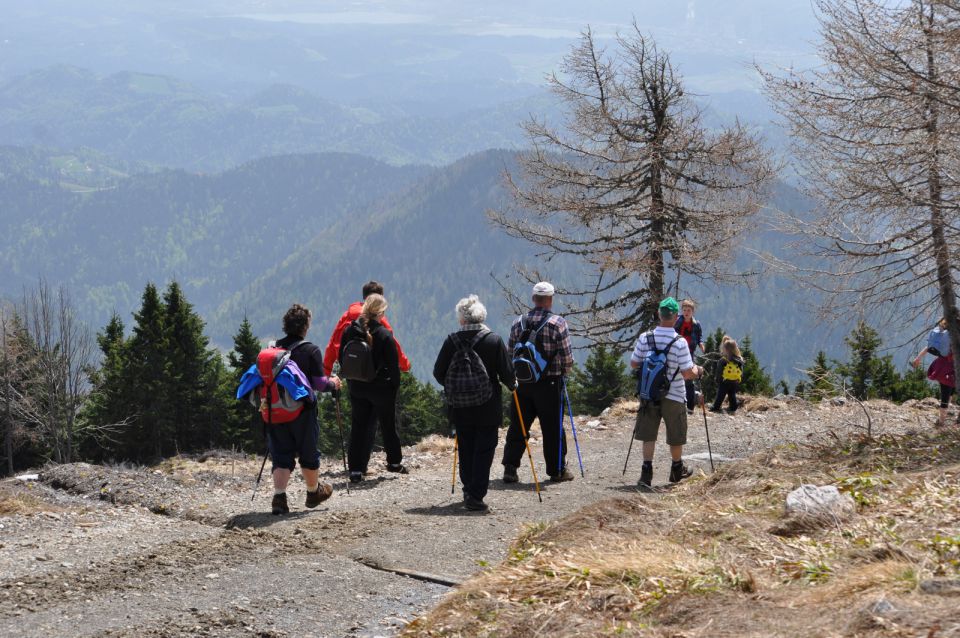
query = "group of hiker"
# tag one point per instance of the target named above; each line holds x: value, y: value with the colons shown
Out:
x: 474, y: 365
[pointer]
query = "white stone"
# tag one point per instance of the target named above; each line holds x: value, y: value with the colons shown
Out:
x: 818, y: 501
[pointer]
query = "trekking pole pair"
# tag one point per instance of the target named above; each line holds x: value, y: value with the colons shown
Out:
x: 573, y: 428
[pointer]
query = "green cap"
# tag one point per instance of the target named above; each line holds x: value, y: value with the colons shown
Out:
x: 670, y: 304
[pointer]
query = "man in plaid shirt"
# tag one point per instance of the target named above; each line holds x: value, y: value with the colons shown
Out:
x: 541, y: 399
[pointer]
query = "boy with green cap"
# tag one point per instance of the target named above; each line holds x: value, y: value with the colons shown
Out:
x: 671, y: 409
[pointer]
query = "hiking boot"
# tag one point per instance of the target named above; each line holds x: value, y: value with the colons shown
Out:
x: 646, y: 478
x: 714, y: 410
x: 679, y: 471
x: 279, y: 504
x: 475, y: 504
x: 510, y: 474
x: 399, y: 468
x: 564, y: 475
x: 356, y: 477
x: 322, y: 493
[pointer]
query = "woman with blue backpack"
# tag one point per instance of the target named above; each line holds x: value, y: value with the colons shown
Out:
x: 472, y: 364
x: 941, y: 370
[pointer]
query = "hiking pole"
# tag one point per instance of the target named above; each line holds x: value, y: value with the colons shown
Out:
x: 453, y: 478
x: 260, y: 475
x: 523, y: 430
x: 633, y: 435
x: 343, y: 446
x: 703, y: 407
x: 573, y: 427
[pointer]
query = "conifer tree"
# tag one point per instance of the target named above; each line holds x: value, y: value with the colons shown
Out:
x: 242, y: 428
x: 755, y: 378
x: 862, y: 368
x: 820, y: 385
x: 189, y: 380
x: 601, y: 381
x: 712, y: 351
x: 150, y: 435
x: 109, y: 403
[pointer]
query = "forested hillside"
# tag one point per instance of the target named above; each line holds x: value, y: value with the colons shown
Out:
x: 313, y: 228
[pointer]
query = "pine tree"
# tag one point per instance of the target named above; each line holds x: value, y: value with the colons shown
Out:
x: 108, y: 402
x: 242, y: 428
x: 600, y: 383
x: 862, y: 368
x: 145, y: 382
x: 711, y: 360
x: 821, y: 384
x: 420, y: 411
x: 755, y: 378
x: 190, y: 383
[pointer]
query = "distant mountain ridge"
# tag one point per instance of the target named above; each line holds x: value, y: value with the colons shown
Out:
x: 164, y: 121
x: 313, y: 229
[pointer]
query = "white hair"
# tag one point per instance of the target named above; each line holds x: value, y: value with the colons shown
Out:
x: 470, y: 310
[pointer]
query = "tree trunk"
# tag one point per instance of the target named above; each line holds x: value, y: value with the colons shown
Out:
x: 938, y: 238
x: 657, y: 230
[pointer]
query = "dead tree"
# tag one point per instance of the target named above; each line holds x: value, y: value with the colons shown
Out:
x: 57, y: 383
x: 876, y: 136
x: 633, y: 184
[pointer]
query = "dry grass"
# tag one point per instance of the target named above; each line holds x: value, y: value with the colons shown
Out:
x: 17, y: 501
x: 623, y: 408
x: 435, y: 444
x: 225, y: 463
x: 701, y: 561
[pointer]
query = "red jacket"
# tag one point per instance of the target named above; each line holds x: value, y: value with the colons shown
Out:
x: 332, y: 352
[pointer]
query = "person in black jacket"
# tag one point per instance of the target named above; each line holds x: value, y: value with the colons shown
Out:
x: 377, y: 397
x: 477, y: 427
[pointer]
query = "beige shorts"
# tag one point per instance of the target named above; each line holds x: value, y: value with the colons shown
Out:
x: 674, y: 415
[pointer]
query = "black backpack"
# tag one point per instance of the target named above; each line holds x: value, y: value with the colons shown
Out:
x: 467, y: 383
x: 356, y: 357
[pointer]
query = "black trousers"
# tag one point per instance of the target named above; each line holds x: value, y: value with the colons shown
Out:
x: 538, y: 401
x: 727, y: 389
x: 366, y: 410
x: 477, y: 447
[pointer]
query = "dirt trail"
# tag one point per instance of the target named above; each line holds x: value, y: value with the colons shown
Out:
x: 179, y: 550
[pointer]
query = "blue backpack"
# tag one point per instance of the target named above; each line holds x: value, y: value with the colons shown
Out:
x: 528, y: 364
x: 938, y: 342
x: 652, y: 384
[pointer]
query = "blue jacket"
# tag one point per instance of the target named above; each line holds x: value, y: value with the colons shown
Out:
x: 296, y: 386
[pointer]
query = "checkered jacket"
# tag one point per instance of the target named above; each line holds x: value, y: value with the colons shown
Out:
x: 553, y: 342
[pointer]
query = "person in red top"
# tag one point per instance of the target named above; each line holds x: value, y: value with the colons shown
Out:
x: 353, y: 312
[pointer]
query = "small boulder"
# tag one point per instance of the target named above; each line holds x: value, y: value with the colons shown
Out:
x: 813, y: 507
x: 820, y: 501
x: 838, y: 401
x: 941, y: 586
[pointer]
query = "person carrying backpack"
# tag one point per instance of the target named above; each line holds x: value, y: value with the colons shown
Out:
x: 664, y: 360
x: 542, y: 355
x: 690, y: 329
x: 332, y: 351
x: 369, y: 361
x: 941, y: 370
x: 471, y: 365
x: 298, y: 438
x: 728, y: 374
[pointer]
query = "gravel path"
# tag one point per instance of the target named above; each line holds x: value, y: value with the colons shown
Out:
x: 182, y: 551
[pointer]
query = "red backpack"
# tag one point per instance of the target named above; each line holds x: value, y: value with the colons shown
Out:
x: 276, y: 405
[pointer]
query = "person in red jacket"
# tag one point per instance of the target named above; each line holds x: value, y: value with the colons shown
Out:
x: 333, y: 346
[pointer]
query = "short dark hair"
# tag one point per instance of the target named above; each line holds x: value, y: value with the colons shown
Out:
x: 666, y: 313
x: 295, y: 320
x: 372, y: 287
